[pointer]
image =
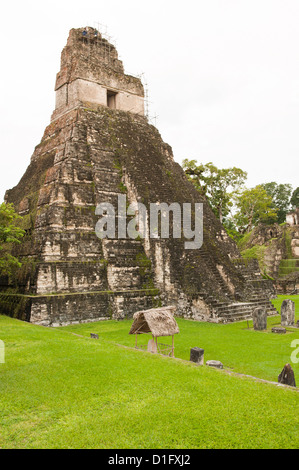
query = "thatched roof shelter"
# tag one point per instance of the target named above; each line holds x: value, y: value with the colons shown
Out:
x: 158, y: 322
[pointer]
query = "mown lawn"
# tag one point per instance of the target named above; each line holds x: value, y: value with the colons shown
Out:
x: 59, y: 390
x: 239, y: 348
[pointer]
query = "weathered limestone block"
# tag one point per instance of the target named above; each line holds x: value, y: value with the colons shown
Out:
x: 295, y: 247
x: 287, y: 376
x: 197, y: 355
x: 123, y: 278
x: 279, y: 330
x: 259, y: 318
x: 24, y: 206
x: 200, y: 310
x: 52, y: 174
x: 71, y: 277
x: 216, y: 364
x: 287, y: 313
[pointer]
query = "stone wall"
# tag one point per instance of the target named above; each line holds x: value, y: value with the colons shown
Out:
x: 89, y: 71
x: 273, y: 244
x: 293, y: 218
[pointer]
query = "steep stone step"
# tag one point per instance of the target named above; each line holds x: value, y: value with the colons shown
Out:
x: 243, y: 305
x: 124, y: 253
x: 235, y: 318
x: 241, y: 310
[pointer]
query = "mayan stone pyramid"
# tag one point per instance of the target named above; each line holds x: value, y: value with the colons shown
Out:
x: 98, y: 146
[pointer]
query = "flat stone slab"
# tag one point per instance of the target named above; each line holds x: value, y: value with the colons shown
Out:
x: 94, y: 336
x: 216, y: 364
x: 279, y: 330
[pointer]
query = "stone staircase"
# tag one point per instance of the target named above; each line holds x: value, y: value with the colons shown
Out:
x: 288, y: 266
x: 223, y: 290
x: 129, y: 276
x: 226, y: 312
x: 230, y: 310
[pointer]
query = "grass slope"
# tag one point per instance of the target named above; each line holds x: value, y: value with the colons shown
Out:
x: 59, y: 390
x: 258, y: 353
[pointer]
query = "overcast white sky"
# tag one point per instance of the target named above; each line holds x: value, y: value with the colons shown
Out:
x: 223, y: 77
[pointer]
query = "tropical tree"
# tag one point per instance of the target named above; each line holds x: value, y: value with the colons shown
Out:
x: 217, y: 184
x: 295, y: 199
x: 252, y: 207
x: 281, y: 194
x: 10, y: 233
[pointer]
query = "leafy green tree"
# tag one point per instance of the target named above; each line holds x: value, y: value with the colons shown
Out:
x: 232, y: 230
x: 217, y: 184
x: 253, y: 206
x: 295, y: 199
x: 280, y: 194
x: 10, y: 233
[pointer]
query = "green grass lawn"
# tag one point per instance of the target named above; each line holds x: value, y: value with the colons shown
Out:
x: 258, y: 353
x: 60, y: 390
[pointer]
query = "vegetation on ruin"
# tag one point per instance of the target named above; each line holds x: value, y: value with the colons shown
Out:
x: 255, y: 252
x: 288, y: 266
x: 65, y: 390
x: 10, y: 234
x: 294, y: 201
x: 239, y: 208
x: 253, y: 206
x: 281, y: 200
x: 218, y: 185
x: 250, y: 246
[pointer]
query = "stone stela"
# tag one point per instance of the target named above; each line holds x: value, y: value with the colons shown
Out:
x: 260, y: 319
x: 288, y: 313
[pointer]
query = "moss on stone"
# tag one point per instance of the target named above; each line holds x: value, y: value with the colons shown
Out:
x: 256, y: 252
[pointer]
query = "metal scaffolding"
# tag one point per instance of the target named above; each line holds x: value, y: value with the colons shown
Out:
x: 97, y: 36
